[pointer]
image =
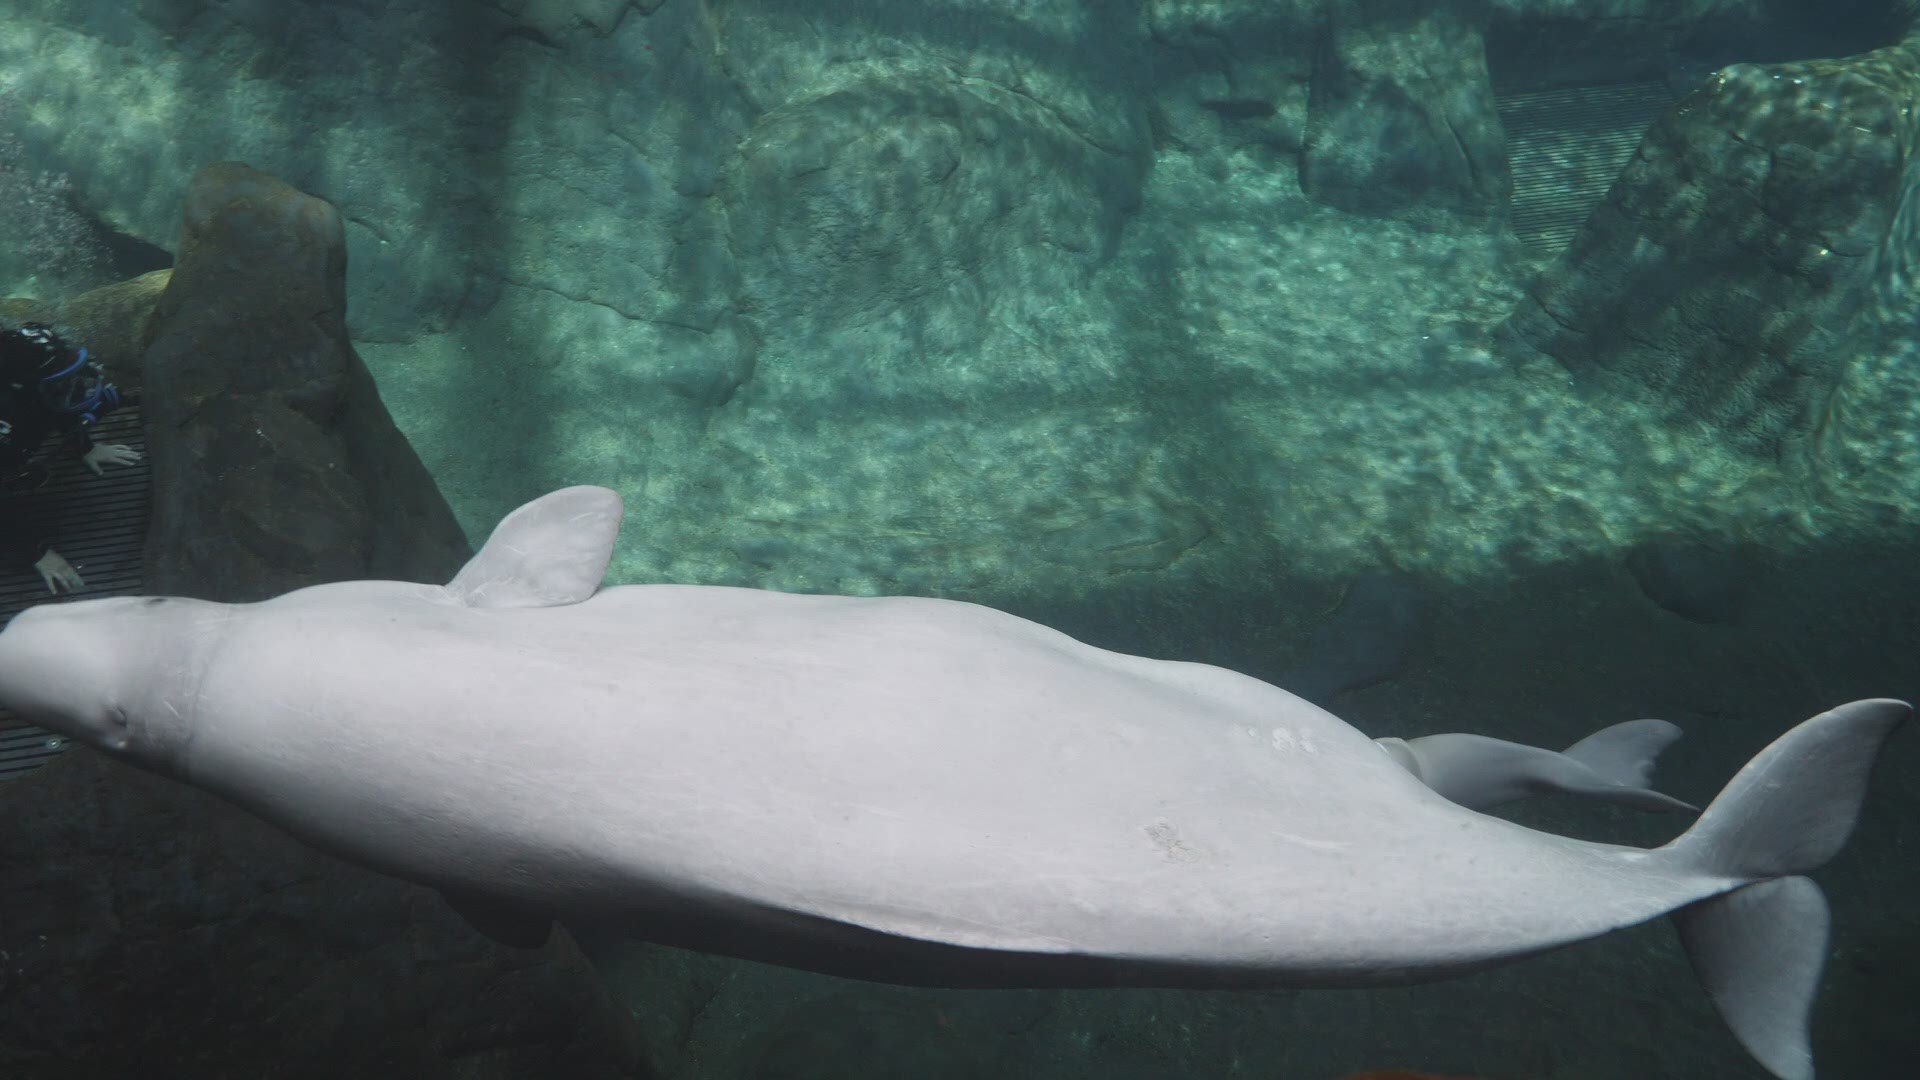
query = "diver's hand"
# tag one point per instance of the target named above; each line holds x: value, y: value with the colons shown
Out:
x: 108, y: 454
x: 58, y: 573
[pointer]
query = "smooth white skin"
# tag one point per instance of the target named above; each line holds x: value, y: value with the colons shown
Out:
x: 817, y: 768
x: 116, y: 673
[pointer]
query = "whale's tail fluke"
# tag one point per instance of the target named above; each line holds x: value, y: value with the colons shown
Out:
x: 1760, y: 949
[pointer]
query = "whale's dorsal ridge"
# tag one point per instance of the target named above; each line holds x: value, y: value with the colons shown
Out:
x: 550, y: 552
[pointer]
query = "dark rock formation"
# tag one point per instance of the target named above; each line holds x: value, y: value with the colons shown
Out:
x: 279, y: 466
x: 1748, y: 251
x: 147, y: 928
x: 1400, y: 118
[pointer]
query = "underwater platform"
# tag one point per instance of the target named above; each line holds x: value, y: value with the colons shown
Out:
x: 100, y: 524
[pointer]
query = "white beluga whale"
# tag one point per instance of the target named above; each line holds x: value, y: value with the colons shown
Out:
x: 920, y: 791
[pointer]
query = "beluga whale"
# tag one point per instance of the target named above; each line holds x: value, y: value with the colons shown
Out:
x: 920, y: 791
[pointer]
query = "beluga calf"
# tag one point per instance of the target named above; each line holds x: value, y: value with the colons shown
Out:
x: 919, y: 791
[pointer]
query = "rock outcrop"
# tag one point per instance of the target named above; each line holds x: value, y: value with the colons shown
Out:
x: 279, y: 466
x: 1752, y: 247
x: 1400, y: 118
x: 147, y: 928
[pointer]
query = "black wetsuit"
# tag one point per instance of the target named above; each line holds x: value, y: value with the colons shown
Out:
x: 25, y: 422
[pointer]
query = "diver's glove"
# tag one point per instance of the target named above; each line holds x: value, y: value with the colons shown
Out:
x: 58, y: 573
x: 108, y: 454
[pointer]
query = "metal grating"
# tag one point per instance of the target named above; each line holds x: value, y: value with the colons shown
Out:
x: 100, y: 524
x: 1566, y: 146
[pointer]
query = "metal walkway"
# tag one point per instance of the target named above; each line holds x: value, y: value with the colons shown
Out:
x: 100, y: 524
x: 1565, y: 148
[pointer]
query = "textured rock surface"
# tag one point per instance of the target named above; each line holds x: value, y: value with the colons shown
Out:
x: 886, y: 199
x: 975, y: 298
x: 280, y: 466
x: 1755, y: 246
x: 1401, y: 117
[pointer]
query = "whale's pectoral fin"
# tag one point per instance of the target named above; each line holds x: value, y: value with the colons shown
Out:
x: 552, y: 551
x: 1613, y: 764
x: 505, y: 922
x: 1625, y: 753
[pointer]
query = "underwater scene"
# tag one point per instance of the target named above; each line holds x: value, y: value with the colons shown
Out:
x: 959, y: 539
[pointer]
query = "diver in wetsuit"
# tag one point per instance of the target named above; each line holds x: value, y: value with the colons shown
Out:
x: 46, y: 386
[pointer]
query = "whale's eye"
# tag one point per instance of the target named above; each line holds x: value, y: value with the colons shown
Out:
x: 116, y: 732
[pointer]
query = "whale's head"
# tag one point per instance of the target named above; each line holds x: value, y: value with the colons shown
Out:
x: 103, y: 671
